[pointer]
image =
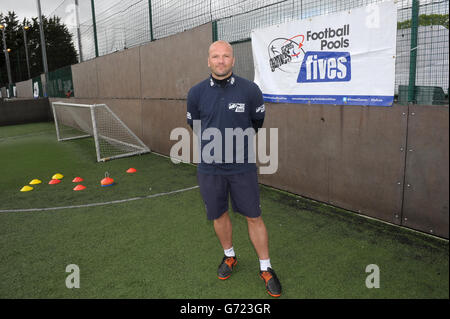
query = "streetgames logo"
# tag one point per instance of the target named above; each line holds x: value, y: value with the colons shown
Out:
x: 237, y: 107
x: 283, y: 51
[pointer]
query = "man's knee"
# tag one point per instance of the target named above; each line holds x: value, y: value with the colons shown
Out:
x: 222, y: 218
x: 255, y: 220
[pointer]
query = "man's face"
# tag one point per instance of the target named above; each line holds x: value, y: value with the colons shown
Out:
x: 220, y: 60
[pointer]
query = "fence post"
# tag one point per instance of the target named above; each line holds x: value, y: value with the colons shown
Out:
x: 95, y: 28
x: 413, y: 51
x: 150, y: 19
x: 43, y: 47
x: 214, y: 31
x: 77, y: 17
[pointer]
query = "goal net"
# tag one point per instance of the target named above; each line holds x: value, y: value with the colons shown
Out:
x: 113, y: 139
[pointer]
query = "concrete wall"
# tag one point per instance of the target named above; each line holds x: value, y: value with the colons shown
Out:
x: 426, y: 200
x: 171, y: 66
x: 118, y: 75
x: 85, y: 80
x: 391, y: 163
x: 354, y: 157
x: 145, y: 85
x: 24, y: 89
x: 20, y: 111
x: 348, y: 156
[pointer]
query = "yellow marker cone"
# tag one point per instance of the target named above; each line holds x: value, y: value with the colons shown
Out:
x: 58, y: 176
x: 26, y: 189
x: 35, y: 182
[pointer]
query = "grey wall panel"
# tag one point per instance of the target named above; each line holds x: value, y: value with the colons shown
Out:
x: 426, y: 198
x: 129, y: 111
x: 171, y: 66
x: 344, y: 155
x: 43, y: 80
x: 24, y: 89
x: 20, y: 111
x: 84, y: 76
x: 159, y: 117
x: 302, y: 160
x: 353, y: 157
x: 119, y: 74
x: 367, y: 162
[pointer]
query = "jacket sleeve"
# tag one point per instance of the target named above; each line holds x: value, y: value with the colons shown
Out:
x: 192, y: 108
x: 258, y: 109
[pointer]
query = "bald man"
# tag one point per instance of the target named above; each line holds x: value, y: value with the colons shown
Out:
x: 226, y: 101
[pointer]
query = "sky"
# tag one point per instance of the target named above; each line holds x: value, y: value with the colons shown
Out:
x: 28, y: 8
x: 62, y: 8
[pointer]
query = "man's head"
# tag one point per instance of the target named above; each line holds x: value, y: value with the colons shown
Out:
x: 220, y: 59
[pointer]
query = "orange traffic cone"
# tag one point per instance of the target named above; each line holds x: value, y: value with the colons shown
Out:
x: 79, y: 188
x: 107, y: 181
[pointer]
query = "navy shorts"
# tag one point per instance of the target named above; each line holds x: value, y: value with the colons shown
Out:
x: 243, y: 189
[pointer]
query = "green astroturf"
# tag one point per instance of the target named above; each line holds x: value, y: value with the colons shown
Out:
x: 164, y: 247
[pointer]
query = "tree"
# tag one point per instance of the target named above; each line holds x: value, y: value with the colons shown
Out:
x: 59, y: 47
x: 426, y: 19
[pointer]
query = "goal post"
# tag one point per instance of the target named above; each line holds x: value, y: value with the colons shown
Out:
x: 112, y: 137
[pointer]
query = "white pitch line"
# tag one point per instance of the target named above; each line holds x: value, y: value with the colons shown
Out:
x: 96, y: 204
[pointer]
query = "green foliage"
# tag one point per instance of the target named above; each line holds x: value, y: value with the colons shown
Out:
x: 426, y: 19
x: 59, y: 46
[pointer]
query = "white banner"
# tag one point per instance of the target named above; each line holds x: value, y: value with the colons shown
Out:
x: 347, y: 58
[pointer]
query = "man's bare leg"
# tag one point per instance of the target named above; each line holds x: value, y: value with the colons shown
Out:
x: 258, y: 236
x: 224, y: 230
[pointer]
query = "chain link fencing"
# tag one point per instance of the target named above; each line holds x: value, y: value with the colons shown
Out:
x: 101, y: 27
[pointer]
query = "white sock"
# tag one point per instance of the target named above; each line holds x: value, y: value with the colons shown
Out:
x: 229, y: 252
x: 264, y: 264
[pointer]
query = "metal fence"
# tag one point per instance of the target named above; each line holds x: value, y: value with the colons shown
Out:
x: 101, y: 27
x: 432, y: 47
x: 127, y: 23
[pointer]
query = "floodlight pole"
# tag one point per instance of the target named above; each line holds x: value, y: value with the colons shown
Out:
x: 150, y: 18
x: 77, y: 14
x: 8, y: 67
x: 94, y: 24
x: 44, y: 51
x: 26, y: 49
x: 413, y: 51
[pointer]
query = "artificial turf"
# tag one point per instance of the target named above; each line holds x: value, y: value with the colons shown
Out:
x: 163, y: 247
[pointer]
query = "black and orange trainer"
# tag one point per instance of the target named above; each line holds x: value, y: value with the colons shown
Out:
x: 226, y: 267
x: 273, y: 285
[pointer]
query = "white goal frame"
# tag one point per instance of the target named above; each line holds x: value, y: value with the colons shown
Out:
x: 138, y: 146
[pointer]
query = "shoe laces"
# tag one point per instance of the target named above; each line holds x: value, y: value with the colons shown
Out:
x: 230, y: 261
x: 266, y: 275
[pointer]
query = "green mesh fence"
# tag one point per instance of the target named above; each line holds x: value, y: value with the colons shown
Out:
x: 37, y: 87
x: 121, y: 24
x: 432, y: 50
x: 60, y: 83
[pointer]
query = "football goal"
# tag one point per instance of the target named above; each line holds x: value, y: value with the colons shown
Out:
x: 113, y: 139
